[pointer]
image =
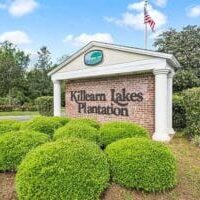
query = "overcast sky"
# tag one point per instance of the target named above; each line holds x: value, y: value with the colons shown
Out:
x: 66, y: 25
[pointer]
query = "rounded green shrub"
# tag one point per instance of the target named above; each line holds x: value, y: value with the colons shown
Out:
x: 65, y: 169
x: 77, y: 130
x: 43, y: 124
x: 8, y: 126
x: 142, y: 164
x: 87, y: 121
x: 113, y: 131
x: 61, y: 120
x: 24, y: 124
x: 15, y: 145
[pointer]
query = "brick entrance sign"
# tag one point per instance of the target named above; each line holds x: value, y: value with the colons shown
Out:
x: 117, y: 83
x: 123, y: 98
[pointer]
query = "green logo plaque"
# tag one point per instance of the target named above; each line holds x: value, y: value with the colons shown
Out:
x: 93, y: 57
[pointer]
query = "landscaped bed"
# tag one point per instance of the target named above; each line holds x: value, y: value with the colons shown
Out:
x: 188, y: 186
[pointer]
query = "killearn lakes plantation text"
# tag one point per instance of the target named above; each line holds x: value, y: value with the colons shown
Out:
x: 117, y: 107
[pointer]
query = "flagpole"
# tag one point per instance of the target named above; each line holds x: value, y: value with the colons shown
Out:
x: 145, y: 36
x: 146, y: 28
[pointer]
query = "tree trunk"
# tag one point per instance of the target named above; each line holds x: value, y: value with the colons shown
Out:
x: 9, y: 97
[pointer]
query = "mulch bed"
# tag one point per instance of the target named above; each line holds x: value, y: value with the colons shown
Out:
x: 7, y: 188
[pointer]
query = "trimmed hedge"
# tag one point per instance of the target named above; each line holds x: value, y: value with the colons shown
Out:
x: 10, y: 108
x: 65, y: 169
x: 77, y: 130
x: 191, y: 100
x: 87, y: 121
x: 6, y: 108
x: 142, y: 164
x: 44, y: 124
x: 113, y: 131
x: 15, y: 145
x: 45, y: 105
x: 179, y: 113
x: 8, y: 126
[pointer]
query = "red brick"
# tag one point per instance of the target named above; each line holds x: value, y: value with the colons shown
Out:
x: 139, y: 112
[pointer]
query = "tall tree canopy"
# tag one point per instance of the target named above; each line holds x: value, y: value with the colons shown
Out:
x: 44, y: 59
x: 185, y: 45
x: 13, y: 65
x: 39, y: 82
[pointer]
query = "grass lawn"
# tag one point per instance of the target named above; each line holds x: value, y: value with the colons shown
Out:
x: 188, y: 188
x: 19, y: 113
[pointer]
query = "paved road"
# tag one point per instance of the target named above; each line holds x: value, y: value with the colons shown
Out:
x: 19, y: 118
x: 23, y: 117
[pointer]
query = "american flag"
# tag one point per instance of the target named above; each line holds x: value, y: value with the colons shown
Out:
x: 149, y: 20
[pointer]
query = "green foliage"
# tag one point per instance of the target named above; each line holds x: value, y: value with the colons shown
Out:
x: 4, y: 101
x: 45, y: 105
x: 44, y: 60
x: 196, y: 140
x: 179, y: 113
x: 87, y: 121
x: 142, y: 164
x: 191, y: 100
x: 43, y: 124
x: 61, y: 120
x: 8, y: 126
x: 13, y: 64
x: 10, y: 108
x: 185, y: 79
x: 18, y: 96
x: 65, y: 170
x: 185, y: 46
x: 77, y: 130
x: 15, y: 145
x: 39, y: 83
x: 113, y: 131
x: 19, y: 85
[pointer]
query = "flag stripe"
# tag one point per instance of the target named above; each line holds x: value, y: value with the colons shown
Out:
x: 149, y: 20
